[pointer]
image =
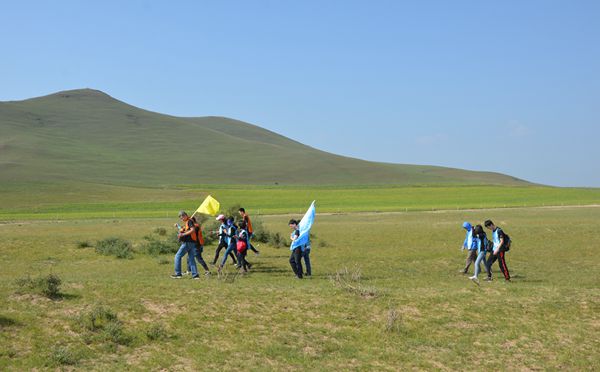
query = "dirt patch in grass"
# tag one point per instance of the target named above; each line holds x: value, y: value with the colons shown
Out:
x: 161, y: 309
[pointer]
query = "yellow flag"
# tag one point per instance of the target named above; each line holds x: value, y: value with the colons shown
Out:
x: 209, y: 206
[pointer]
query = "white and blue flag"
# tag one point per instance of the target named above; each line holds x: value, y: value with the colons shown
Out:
x: 304, y: 228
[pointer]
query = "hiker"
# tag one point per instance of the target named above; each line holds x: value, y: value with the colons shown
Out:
x: 470, y: 245
x: 501, y: 246
x: 223, y: 242
x: 198, y: 238
x: 230, y: 231
x: 242, y: 246
x: 296, y: 256
x: 188, y: 246
x: 246, y: 219
x: 483, y: 246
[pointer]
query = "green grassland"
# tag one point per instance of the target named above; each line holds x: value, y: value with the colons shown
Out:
x: 408, y: 308
x: 88, y: 136
x: 79, y: 200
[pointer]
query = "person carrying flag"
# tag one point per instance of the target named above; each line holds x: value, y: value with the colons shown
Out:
x: 188, y: 246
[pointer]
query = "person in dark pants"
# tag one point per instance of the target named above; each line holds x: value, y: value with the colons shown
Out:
x: 296, y: 256
x: 470, y: 245
x: 249, y: 228
x: 223, y: 242
x: 501, y: 246
x: 242, y: 246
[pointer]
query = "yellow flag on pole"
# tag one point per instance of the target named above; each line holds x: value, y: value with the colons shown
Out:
x: 209, y: 206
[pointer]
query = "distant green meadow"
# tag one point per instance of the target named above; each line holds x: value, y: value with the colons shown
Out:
x: 75, y: 201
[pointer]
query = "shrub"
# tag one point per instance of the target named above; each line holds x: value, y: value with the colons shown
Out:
x: 117, y: 247
x: 156, y: 332
x: 156, y: 247
x: 48, y: 285
x: 103, y: 325
x: 83, y: 244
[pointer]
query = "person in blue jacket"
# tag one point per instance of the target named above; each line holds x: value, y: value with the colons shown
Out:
x: 471, y: 245
x: 231, y: 233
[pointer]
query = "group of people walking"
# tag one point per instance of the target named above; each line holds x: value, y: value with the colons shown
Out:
x: 235, y: 238
x: 479, y: 246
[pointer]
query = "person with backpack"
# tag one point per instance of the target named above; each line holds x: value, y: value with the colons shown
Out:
x: 231, y: 233
x: 223, y: 241
x: 483, y: 246
x: 471, y: 245
x: 296, y: 256
x: 502, y: 244
x: 188, y: 246
x: 198, y: 238
x: 248, y: 223
x: 242, y: 246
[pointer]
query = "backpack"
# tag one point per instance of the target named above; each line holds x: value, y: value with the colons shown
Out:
x: 197, y: 234
x: 507, y: 242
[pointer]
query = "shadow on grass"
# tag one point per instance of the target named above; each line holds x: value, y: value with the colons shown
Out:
x: 8, y: 322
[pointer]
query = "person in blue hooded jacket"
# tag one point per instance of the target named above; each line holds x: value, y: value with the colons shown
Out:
x: 470, y: 244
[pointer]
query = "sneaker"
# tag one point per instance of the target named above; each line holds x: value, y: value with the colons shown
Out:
x: 207, y: 273
x: 186, y: 273
x: 175, y: 276
x: 197, y: 277
x: 473, y: 277
x: 488, y: 279
x: 462, y: 272
x: 256, y: 253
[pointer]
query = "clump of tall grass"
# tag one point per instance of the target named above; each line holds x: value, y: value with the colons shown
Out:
x: 113, y: 246
x: 156, y: 332
x: 351, y: 281
x: 62, y: 356
x: 393, y: 322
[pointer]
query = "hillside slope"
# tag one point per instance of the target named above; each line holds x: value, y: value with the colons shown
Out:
x: 86, y: 135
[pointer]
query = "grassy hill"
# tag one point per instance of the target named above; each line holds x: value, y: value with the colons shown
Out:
x: 88, y: 136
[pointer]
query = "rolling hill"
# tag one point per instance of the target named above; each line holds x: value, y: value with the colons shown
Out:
x: 87, y: 136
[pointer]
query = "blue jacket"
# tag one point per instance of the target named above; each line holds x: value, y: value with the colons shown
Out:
x: 469, y: 242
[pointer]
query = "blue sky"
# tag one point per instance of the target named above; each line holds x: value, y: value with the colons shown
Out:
x: 507, y: 86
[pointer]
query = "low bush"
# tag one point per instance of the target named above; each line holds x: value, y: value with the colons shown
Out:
x: 117, y: 247
x: 48, y: 285
x: 102, y: 324
x: 157, y: 247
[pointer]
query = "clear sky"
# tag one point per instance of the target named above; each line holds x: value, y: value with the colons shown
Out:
x: 507, y: 86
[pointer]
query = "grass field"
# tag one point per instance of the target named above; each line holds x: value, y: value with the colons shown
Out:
x: 405, y: 307
x: 81, y: 200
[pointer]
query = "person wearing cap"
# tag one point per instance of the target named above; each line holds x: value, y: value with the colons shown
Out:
x: 471, y: 245
x: 223, y: 242
x: 188, y: 246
